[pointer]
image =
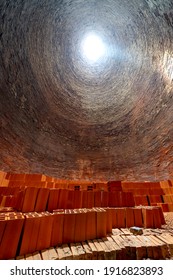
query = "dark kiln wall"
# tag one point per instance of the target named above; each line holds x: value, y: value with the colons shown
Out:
x: 65, y: 118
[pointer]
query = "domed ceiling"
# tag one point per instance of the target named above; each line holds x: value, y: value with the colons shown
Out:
x: 86, y: 88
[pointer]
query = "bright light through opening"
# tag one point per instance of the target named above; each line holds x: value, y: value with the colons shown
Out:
x: 93, y: 48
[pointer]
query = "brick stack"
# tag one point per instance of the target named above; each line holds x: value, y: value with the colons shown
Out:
x: 33, y: 231
x: 151, y: 193
x: 167, y: 188
x: 53, y: 212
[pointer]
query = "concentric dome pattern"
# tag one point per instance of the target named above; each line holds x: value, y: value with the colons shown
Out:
x: 86, y: 88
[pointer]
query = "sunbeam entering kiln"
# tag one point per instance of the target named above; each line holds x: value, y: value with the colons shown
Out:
x: 93, y: 48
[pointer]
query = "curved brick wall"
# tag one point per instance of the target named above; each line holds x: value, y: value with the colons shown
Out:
x: 67, y: 118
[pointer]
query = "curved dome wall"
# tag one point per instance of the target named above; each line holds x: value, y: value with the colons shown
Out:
x: 69, y: 117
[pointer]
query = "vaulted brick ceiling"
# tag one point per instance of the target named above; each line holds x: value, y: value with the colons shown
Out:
x: 68, y: 117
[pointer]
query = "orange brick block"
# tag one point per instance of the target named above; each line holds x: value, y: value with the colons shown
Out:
x: 114, y: 186
x: 35, y: 232
x: 11, y: 236
x: 53, y: 199
x: 84, y: 199
x: 108, y: 219
x: 114, y: 199
x: 90, y: 224
x: 130, y: 202
x: 104, y: 199
x: 42, y: 200
x: 141, y: 200
x: 45, y: 231
x: 101, y: 222
x: 34, y: 177
x: 69, y: 226
x: 138, y: 217
x: 80, y: 225
x: 90, y: 199
x: 161, y: 216
x: 63, y: 198
x: 164, y: 206
x: 78, y: 199
x: 19, y: 200
x: 170, y: 206
x: 29, y: 200
x: 121, y: 217
x: 156, y: 217
x: 114, y: 218
x: 70, y: 200
x: 155, y: 199
x: 27, y: 232
x: 97, y: 199
x: 148, y: 219
x: 2, y: 225
x: 57, y: 228
x: 167, y: 198
x: 130, y: 222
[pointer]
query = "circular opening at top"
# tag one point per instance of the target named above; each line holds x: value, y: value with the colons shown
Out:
x: 93, y: 48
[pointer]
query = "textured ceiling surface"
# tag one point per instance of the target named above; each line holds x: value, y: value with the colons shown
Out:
x: 65, y: 117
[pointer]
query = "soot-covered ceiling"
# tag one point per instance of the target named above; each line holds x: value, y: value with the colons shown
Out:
x: 70, y: 115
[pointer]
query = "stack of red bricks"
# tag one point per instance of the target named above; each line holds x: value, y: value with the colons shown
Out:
x: 35, y: 231
x: 151, y: 193
x: 53, y: 212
